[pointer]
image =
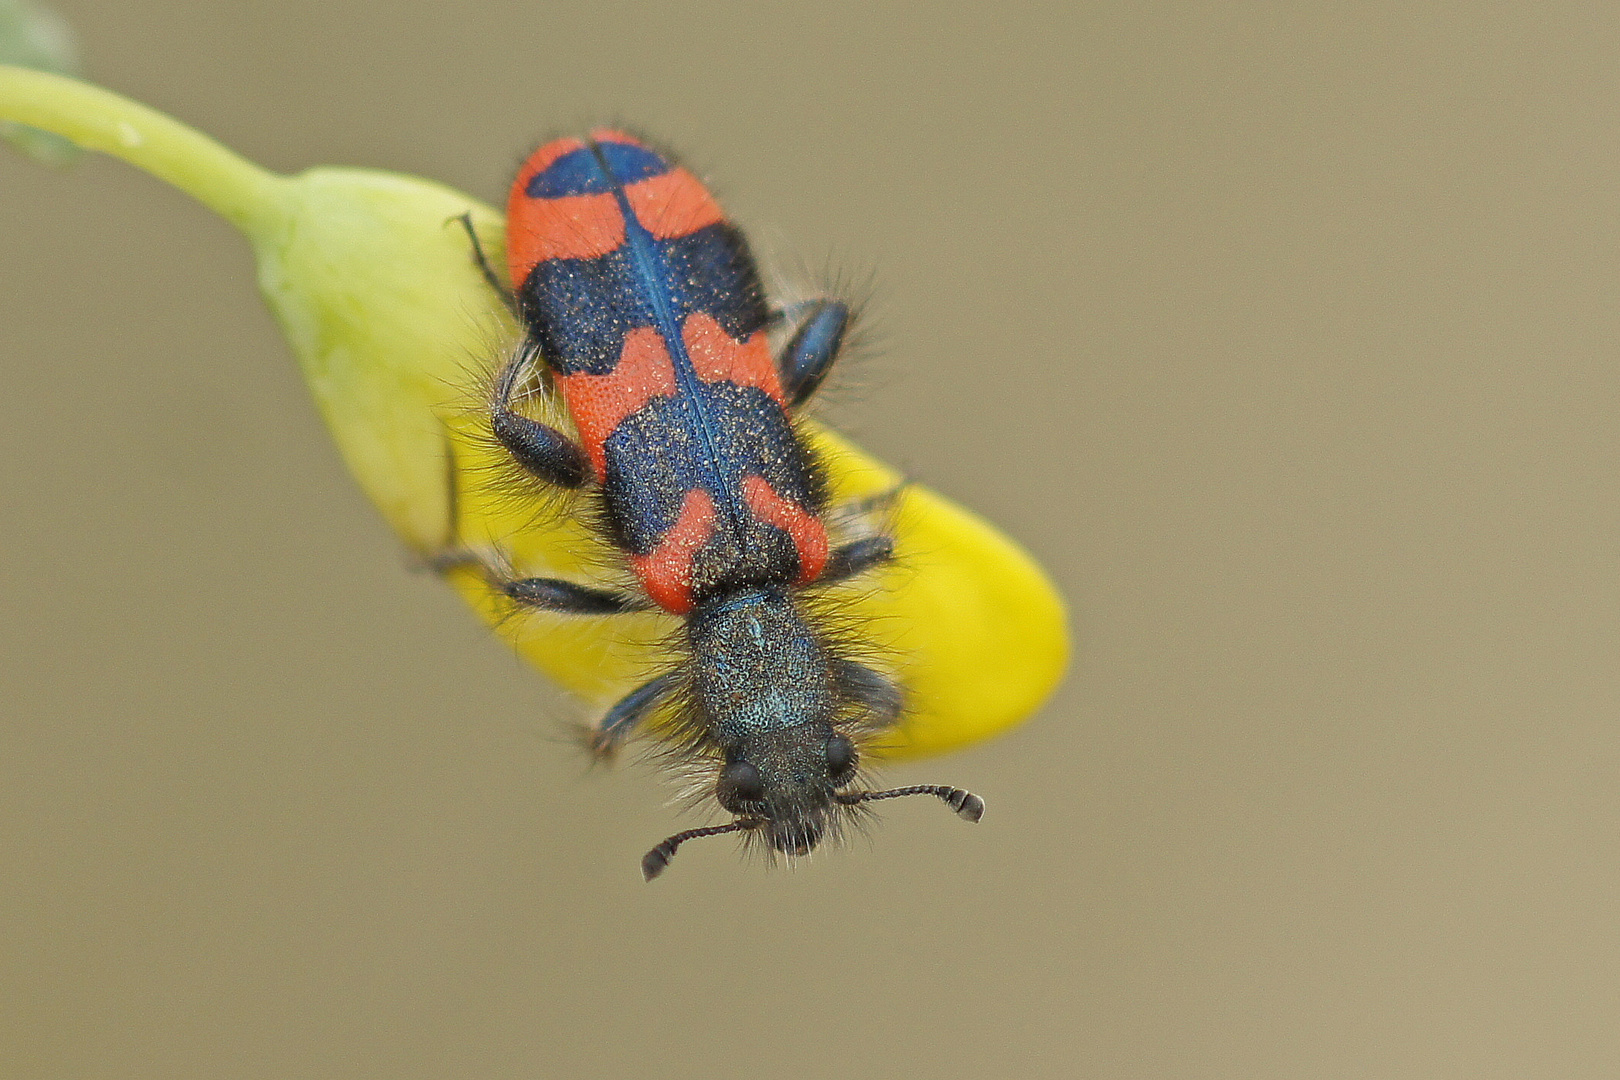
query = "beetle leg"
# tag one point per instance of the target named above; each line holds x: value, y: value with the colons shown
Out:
x: 569, y: 597
x: 856, y: 558
x: 484, y: 267
x: 621, y: 721
x: 875, y: 692
x: 810, y: 352
x: 542, y: 450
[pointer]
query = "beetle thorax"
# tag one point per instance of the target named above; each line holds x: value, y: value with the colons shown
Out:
x: 759, y: 670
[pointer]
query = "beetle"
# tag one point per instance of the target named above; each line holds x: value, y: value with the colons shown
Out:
x: 643, y: 309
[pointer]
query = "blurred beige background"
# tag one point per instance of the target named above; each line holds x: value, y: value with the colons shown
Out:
x: 1285, y: 334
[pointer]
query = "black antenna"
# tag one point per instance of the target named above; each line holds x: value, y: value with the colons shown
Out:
x: 968, y: 806
x: 653, y: 863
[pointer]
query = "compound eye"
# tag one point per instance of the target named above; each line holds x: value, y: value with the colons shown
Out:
x: 739, y: 783
x: 841, y: 758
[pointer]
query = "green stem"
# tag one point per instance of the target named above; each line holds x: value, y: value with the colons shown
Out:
x: 97, y: 119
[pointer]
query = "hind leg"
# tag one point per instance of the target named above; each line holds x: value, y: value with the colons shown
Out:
x: 452, y: 553
x: 484, y: 267
x: 542, y: 450
x: 810, y: 352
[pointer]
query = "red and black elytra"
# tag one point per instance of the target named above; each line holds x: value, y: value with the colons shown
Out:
x: 646, y: 309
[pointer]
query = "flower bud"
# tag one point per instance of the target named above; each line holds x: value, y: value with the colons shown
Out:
x: 373, y: 280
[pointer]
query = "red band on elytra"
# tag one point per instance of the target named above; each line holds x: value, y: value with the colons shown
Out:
x: 718, y: 357
x: 666, y: 573
x: 807, y: 533
x: 599, y: 403
x: 673, y: 205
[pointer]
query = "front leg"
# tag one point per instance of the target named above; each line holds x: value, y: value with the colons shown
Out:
x: 621, y: 721
x: 873, y: 692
